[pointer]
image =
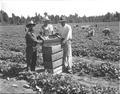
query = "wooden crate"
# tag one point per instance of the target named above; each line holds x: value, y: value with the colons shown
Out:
x: 52, y: 58
x: 52, y: 65
x: 51, y: 49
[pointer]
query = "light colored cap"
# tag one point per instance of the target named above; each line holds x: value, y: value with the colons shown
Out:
x: 31, y: 23
x: 46, y: 18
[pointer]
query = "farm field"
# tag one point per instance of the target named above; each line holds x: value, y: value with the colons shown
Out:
x: 96, y: 60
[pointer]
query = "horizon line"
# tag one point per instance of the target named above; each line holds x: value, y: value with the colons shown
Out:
x: 58, y: 14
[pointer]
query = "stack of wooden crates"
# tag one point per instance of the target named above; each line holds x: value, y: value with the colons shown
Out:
x: 52, y: 56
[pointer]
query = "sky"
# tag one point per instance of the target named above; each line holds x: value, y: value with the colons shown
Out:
x: 59, y: 7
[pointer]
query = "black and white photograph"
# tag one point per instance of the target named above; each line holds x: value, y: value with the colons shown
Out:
x: 59, y: 47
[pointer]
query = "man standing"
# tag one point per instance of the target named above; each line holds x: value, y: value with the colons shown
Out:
x: 31, y: 49
x: 66, y: 34
x: 91, y: 32
x: 47, y: 28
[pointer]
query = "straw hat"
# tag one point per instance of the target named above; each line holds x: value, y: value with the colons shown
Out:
x: 62, y: 19
x: 31, y: 23
x: 46, y: 19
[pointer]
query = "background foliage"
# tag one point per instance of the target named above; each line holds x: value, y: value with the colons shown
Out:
x: 108, y: 17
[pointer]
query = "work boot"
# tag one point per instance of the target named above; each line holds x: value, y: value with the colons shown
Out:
x: 69, y: 70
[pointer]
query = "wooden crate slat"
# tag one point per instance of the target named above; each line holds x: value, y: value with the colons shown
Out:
x: 57, y: 56
x: 52, y: 65
x: 51, y: 49
x: 56, y: 70
x: 52, y: 57
x: 56, y: 48
x: 57, y: 63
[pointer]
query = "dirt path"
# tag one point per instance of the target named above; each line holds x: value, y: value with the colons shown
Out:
x: 14, y: 86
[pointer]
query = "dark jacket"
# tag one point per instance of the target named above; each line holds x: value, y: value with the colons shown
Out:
x: 31, y: 40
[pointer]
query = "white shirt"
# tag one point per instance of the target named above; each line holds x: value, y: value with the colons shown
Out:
x: 66, y: 32
x: 48, y: 30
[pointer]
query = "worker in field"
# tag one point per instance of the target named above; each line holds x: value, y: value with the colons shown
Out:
x: 106, y: 31
x: 47, y: 28
x: 65, y: 31
x: 31, y: 49
x: 91, y: 32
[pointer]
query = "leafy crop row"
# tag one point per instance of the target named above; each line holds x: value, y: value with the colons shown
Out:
x: 10, y: 69
x: 98, y: 50
x: 97, y: 70
x: 12, y: 56
x: 65, y: 84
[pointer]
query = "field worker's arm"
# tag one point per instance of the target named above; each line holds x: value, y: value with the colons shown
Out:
x: 33, y: 38
x: 41, y: 31
x: 57, y: 30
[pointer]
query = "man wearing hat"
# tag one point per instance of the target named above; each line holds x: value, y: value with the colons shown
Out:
x: 106, y: 31
x: 31, y: 49
x: 47, y: 28
x: 66, y: 33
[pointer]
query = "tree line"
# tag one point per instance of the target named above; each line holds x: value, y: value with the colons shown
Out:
x: 19, y: 20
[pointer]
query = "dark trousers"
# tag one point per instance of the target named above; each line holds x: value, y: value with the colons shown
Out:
x: 31, y: 58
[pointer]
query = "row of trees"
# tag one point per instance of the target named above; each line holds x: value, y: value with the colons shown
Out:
x: 109, y: 17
